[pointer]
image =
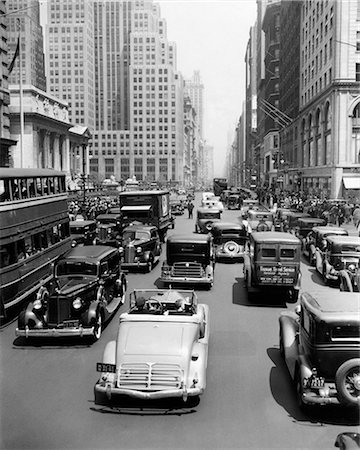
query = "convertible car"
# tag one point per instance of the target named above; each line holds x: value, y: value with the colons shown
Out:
x: 160, y: 352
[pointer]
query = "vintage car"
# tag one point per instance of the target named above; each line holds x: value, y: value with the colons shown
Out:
x: 314, y: 241
x: 250, y: 204
x: 258, y: 221
x: 291, y: 222
x: 161, y: 350
x: 82, y: 232
x: 229, y: 241
x: 306, y: 224
x: 109, y: 229
x: 190, y: 260
x: 87, y: 288
x: 205, y: 218
x: 177, y: 207
x: 207, y: 196
x: 272, y: 262
x: 213, y: 202
x: 338, y: 253
x: 320, y: 343
x: 348, y: 441
x: 280, y: 219
x: 234, y: 201
x: 141, y: 247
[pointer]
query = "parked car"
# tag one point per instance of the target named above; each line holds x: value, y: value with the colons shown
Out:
x: 339, y: 252
x: 314, y: 241
x: 109, y: 229
x: 205, y: 218
x: 161, y: 350
x: 82, y: 232
x: 141, y: 247
x: 190, y: 260
x: 320, y: 344
x: 306, y: 224
x: 292, y: 220
x: 258, y: 221
x: 87, y: 287
x: 272, y: 262
x: 229, y: 241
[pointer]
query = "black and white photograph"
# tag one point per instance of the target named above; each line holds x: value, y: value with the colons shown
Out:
x: 179, y: 224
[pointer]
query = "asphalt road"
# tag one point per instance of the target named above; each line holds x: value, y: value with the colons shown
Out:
x: 47, y: 397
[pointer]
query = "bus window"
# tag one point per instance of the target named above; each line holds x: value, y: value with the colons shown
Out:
x: 4, y: 191
x: 56, y: 185
x: 64, y: 229
x: 62, y: 184
x: 51, y: 185
x: 20, y: 250
x: 7, y: 255
x: 23, y: 187
x: 31, y: 187
x: 54, y: 234
x: 39, y: 186
x: 15, y: 190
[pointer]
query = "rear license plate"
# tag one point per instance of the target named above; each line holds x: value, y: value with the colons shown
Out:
x: 317, y: 382
x: 102, y: 367
x: 71, y: 324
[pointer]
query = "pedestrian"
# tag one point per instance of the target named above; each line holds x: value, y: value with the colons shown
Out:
x: 190, y: 208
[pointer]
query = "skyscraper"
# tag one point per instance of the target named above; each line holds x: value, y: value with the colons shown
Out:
x: 195, y: 90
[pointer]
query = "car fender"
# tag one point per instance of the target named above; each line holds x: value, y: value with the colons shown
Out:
x: 92, y: 311
x: 289, y: 335
x: 28, y: 314
x: 198, y: 364
x: 204, y: 313
x: 298, y: 281
x: 319, y: 261
x: 147, y: 255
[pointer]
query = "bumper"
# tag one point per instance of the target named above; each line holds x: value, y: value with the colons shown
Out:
x: 128, y: 265
x: 186, y: 280
x: 54, y: 332
x: 110, y: 391
x: 314, y: 398
x: 229, y: 257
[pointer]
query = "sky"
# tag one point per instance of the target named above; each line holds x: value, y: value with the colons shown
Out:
x: 211, y: 36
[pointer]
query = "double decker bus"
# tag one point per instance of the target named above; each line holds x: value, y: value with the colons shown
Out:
x: 34, y: 231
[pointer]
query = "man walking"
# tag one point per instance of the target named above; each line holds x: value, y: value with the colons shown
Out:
x: 190, y: 208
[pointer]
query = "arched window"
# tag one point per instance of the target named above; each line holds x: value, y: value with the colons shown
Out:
x: 327, y: 134
x: 318, y: 139
x: 355, y: 138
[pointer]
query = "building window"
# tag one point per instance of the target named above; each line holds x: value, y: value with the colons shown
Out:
x: 109, y: 167
x: 357, y: 72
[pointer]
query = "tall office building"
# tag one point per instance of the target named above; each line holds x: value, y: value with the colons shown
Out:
x: 329, y: 126
x: 24, y: 20
x: 195, y: 90
x: 70, y: 57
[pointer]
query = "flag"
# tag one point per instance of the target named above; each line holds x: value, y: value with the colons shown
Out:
x: 16, y: 54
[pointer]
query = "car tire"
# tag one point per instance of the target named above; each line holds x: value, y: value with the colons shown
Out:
x: 347, y: 380
x: 208, y: 226
x: 98, y: 326
x: 262, y: 227
x: 150, y: 264
x: 192, y: 401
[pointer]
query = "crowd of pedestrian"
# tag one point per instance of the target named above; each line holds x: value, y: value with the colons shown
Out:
x: 91, y: 208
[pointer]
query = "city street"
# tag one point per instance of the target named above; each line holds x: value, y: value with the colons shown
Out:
x: 47, y: 399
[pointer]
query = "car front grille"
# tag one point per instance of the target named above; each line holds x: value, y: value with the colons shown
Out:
x: 187, y: 269
x: 103, y: 234
x: 150, y: 377
x: 129, y: 254
x: 59, y: 309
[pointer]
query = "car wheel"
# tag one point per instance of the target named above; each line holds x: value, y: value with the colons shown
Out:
x: 208, y: 226
x: 347, y: 379
x: 191, y: 402
x: 150, y: 264
x: 98, y: 327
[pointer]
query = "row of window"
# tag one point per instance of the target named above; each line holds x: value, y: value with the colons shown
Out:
x: 23, y: 188
x: 18, y: 251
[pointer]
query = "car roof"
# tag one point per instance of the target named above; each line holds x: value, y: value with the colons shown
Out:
x: 329, y: 305
x: 139, y: 227
x: 84, y: 223
x: 193, y: 238
x: 329, y: 229
x: 275, y: 237
x: 344, y: 240
x: 207, y: 209
x: 94, y: 252
x: 227, y: 226
x: 311, y: 220
x: 136, y: 193
x: 259, y: 212
x: 107, y: 216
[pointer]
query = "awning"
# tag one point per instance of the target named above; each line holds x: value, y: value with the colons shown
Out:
x: 135, y: 208
x: 351, y: 182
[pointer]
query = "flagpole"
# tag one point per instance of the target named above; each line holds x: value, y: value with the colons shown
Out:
x: 21, y: 101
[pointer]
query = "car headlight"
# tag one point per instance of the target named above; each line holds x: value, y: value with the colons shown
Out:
x: 139, y: 250
x: 352, y: 267
x: 73, y: 244
x: 121, y: 249
x: 77, y: 303
x: 109, y: 231
x: 37, y: 304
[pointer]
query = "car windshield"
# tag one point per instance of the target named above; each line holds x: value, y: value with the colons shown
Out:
x: 78, y: 230
x: 75, y: 268
x: 261, y: 217
x: 136, y: 235
x: 107, y: 221
x: 209, y: 215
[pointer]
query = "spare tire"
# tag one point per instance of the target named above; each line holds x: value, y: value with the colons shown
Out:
x: 262, y: 226
x: 231, y: 248
x: 347, y: 379
x: 208, y: 225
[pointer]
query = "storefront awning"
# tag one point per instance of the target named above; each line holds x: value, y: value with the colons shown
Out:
x: 351, y: 182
